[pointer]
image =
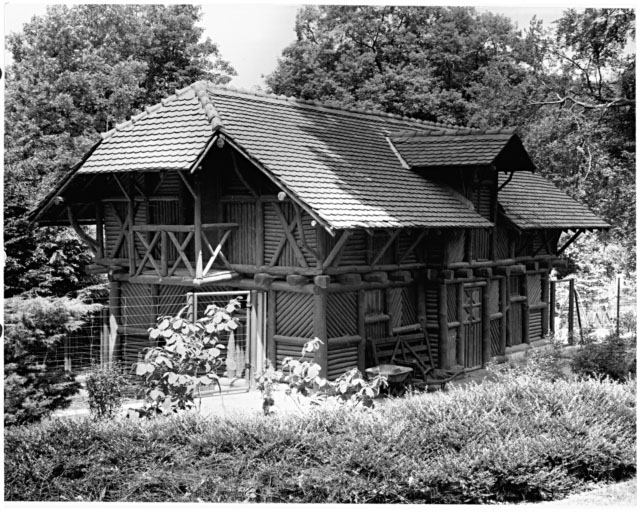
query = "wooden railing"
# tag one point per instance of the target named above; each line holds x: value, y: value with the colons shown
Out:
x: 167, y: 248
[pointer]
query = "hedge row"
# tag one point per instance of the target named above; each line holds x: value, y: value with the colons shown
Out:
x: 510, y: 441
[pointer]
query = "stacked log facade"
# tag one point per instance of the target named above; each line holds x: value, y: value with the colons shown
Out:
x: 477, y: 293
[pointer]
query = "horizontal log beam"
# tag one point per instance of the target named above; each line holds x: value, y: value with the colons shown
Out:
x: 407, y: 328
x: 322, y: 281
x: 297, y: 280
x: 376, y: 277
x: 290, y: 340
x: 184, y: 228
x: 343, y: 341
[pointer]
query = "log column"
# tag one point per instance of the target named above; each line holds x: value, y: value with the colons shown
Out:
x: 443, y: 321
x: 320, y: 328
x: 99, y: 229
x: 197, y: 224
x: 486, y: 324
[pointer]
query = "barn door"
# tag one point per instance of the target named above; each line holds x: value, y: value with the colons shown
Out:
x: 472, y: 325
x: 238, y: 353
x: 516, y: 311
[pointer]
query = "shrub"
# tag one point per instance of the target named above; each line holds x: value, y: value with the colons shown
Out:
x: 188, y: 356
x: 543, y: 364
x: 519, y: 439
x: 104, y: 386
x: 614, y: 358
x: 301, y: 378
x: 34, y: 328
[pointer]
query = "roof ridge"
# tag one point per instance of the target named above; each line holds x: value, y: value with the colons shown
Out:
x: 209, y: 110
x: 459, y: 131
x: 328, y: 104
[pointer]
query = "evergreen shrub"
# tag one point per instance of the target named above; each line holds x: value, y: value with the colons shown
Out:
x: 514, y: 440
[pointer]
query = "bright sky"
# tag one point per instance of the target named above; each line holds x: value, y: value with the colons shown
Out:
x: 251, y: 36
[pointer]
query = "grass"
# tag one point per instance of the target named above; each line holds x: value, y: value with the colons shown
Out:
x: 510, y: 441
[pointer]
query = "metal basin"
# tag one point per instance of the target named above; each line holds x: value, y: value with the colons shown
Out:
x: 392, y: 372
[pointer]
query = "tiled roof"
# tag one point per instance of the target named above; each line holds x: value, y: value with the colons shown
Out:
x: 170, y: 135
x: 340, y: 163
x: 533, y: 202
x: 336, y: 161
x: 459, y: 148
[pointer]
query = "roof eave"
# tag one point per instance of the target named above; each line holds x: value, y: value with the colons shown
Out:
x: 45, y: 203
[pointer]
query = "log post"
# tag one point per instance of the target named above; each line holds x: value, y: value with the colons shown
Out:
x: 259, y: 231
x: 99, y: 229
x: 271, y: 327
x: 164, y: 253
x: 503, y: 321
x: 486, y: 324
x: 197, y: 224
x: 460, y: 336
x: 320, y: 328
x: 421, y: 300
x: 507, y: 312
x: 131, y: 224
x: 571, y: 309
x: 362, y: 354
x: 525, y: 309
x: 443, y: 322
x: 552, y: 285
x: 460, y: 351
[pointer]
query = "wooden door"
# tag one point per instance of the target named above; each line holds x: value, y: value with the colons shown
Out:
x: 517, y: 301
x: 472, y: 325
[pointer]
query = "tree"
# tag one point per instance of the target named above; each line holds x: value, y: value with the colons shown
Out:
x: 75, y: 73
x: 413, y: 61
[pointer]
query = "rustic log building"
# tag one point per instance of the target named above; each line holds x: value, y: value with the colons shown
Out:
x: 343, y: 224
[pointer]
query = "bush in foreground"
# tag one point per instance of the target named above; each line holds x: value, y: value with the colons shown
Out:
x: 35, y: 327
x: 614, y: 358
x: 518, y: 439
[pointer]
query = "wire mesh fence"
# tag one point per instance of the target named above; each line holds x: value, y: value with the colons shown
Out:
x: 597, y: 306
x: 140, y: 313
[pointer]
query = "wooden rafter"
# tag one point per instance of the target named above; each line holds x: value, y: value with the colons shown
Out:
x: 569, y: 242
x: 337, y: 248
x: 289, y: 235
x: 188, y: 185
x: 387, y: 245
x: 413, y: 246
x: 91, y: 242
x: 237, y: 171
x: 299, y: 223
x: 121, y: 186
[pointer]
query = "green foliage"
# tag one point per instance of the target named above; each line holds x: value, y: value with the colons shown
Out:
x: 518, y: 440
x: 614, y: 358
x: 34, y: 327
x: 545, y: 364
x: 104, y: 386
x: 188, y: 356
x: 76, y: 71
x: 301, y: 378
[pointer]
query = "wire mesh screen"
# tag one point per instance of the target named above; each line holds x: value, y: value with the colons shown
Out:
x: 80, y: 349
x: 235, y: 372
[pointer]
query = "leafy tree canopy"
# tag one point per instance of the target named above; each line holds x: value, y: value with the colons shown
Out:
x: 77, y: 71
x: 570, y: 90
